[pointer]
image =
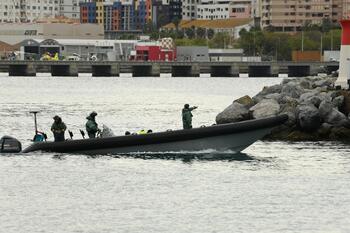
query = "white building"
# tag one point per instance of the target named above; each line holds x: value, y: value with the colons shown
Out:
x: 32, y: 10
x: 256, y: 8
x: 13, y: 33
x: 217, y: 9
x: 189, y: 9
x: 69, y: 8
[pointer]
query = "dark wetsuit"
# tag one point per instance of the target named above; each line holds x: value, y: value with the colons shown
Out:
x: 58, y: 129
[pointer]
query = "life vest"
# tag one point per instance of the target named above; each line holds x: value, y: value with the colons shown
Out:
x: 142, y: 132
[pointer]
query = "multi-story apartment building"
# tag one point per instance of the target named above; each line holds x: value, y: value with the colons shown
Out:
x: 27, y: 10
x: 88, y: 12
x: 166, y: 11
x: 33, y: 10
x: 99, y: 11
x: 256, y: 8
x: 346, y: 9
x: 213, y: 9
x: 292, y: 15
x: 143, y: 13
x: 241, y: 9
x: 127, y: 15
x: 117, y: 15
x: 216, y: 9
x: 69, y: 8
x: 189, y: 9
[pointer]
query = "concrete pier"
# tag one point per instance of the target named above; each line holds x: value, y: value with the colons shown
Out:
x: 177, y: 69
x: 22, y: 70
x: 64, y: 70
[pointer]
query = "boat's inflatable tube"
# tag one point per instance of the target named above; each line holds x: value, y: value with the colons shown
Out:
x: 211, y: 137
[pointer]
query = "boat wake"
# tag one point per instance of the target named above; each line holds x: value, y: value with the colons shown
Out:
x: 190, y: 155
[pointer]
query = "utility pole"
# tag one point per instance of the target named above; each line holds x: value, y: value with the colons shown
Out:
x: 277, y: 48
x: 254, y: 42
x: 321, y: 45
x: 302, y: 41
x: 331, y: 39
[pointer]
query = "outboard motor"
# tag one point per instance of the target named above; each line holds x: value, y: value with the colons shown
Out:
x: 10, y: 145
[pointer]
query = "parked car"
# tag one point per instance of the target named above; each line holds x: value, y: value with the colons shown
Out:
x: 74, y: 57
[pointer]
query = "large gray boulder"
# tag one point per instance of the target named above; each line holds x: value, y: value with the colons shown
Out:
x: 311, y: 98
x: 287, y: 100
x: 272, y: 89
x: 292, y: 89
x: 331, y: 115
x: 324, y: 82
x: 333, y: 94
x: 308, y: 117
x: 289, y: 107
x: 275, y: 96
x: 287, y: 80
x: 338, y: 102
x: 305, y: 83
x: 245, y: 101
x: 265, y: 108
x: 267, y: 91
x: 325, y: 96
x: 234, y: 113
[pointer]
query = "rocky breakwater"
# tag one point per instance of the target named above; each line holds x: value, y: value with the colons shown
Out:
x: 316, y: 110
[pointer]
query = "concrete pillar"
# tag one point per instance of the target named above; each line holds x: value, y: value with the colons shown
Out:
x: 275, y: 70
x: 31, y: 70
x: 155, y: 70
x: 73, y: 70
x: 243, y: 68
x: 235, y: 70
x: 195, y: 70
x: 22, y: 70
x: 314, y: 70
x: 165, y: 68
x: 344, y: 63
x: 115, y: 70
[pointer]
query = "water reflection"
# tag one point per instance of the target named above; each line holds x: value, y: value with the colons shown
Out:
x: 184, y: 156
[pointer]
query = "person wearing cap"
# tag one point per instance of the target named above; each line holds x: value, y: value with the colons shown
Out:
x: 91, y: 125
x: 58, y: 129
x: 187, y: 116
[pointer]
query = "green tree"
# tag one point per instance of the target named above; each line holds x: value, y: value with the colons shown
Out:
x: 210, y: 33
x: 176, y: 21
x: 149, y: 27
x: 190, y: 33
x: 201, y: 33
x: 162, y: 20
x: 190, y: 42
x: 220, y: 40
x: 180, y: 34
x: 154, y: 35
x: 326, y: 25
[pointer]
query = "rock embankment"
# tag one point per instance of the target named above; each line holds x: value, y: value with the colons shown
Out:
x: 316, y: 110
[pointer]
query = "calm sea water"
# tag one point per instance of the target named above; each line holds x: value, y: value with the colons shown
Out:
x: 271, y: 187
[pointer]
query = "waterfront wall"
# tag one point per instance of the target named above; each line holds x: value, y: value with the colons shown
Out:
x: 176, y: 69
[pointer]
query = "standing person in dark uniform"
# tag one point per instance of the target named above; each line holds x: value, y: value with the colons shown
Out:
x: 58, y: 128
x: 91, y: 125
x: 187, y: 116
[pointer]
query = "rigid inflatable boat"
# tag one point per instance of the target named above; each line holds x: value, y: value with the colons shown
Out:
x: 226, y: 137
